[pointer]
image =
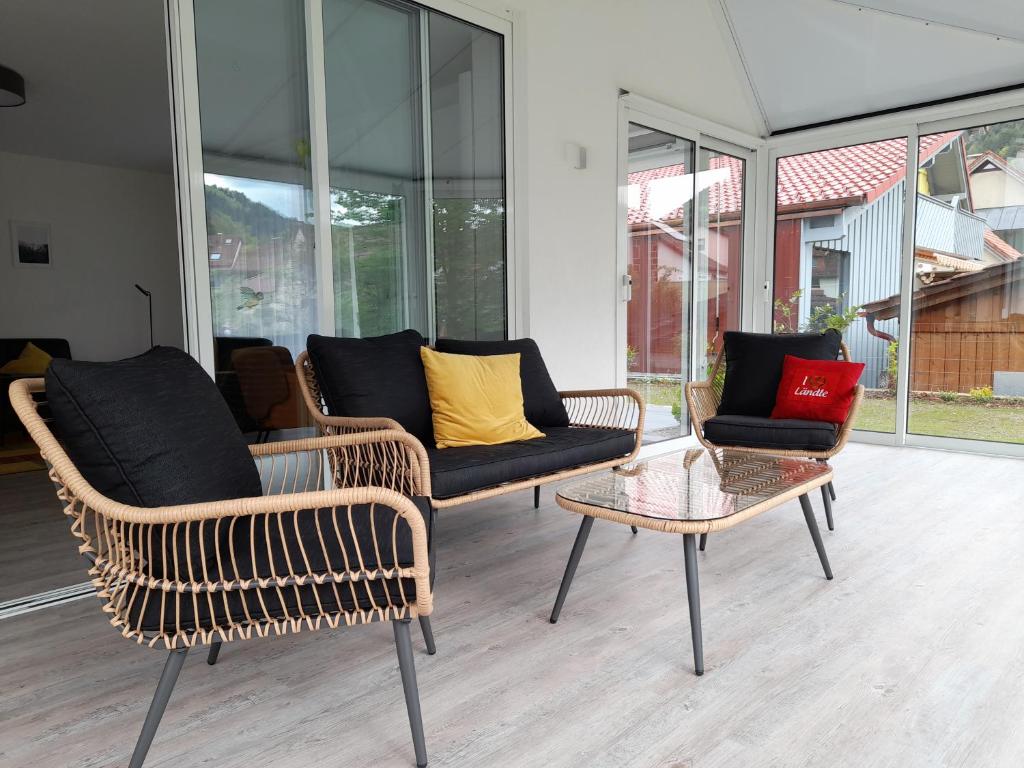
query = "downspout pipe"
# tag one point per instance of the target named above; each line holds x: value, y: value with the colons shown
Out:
x: 869, y: 319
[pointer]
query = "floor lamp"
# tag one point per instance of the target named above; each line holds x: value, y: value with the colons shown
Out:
x: 149, y: 298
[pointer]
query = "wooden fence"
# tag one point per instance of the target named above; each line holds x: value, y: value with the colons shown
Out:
x: 961, y: 356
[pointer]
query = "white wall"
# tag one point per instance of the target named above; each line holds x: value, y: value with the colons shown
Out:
x: 110, y: 228
x: 577, y: 55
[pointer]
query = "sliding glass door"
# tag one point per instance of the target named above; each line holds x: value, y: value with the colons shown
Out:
x: 659, y: 248
x: 258, y: 202
x: 684, y: 243
x: 353, y: 156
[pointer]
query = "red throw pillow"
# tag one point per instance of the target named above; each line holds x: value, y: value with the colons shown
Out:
x: 817, y: 390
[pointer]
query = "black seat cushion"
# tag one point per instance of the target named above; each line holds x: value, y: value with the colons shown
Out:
x: 380, y: 376
x: 753, y: 366
x: 771, y: 434
x: 541, y: 403
x: 273, y: 555
x: 458, y: 471
x: 150, y: 431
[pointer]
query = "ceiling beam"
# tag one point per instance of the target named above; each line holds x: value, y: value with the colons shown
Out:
x: 720, y: 11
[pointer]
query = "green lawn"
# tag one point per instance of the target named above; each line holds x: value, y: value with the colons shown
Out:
x: 978, y: 421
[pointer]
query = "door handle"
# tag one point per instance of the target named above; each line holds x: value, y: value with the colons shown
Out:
x: 627, y: 288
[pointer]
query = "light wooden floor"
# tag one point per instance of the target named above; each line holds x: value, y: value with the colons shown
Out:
x: 913, y: 656
x: 37, y: 552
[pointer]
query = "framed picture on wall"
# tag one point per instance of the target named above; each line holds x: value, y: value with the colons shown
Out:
x: 30, y: 244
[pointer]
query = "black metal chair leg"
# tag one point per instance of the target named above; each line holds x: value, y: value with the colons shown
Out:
x: 536, y: 497
x: 428, y: 635
x: 812, y: 526
x: 831, y: 490
x: 412, y: 695
x: 827, y: 501
x: 703, y: 541
x: 211, y: 658
x: 633, y: 528
x: 570, y: 567
x: 693, y: 598
x: 175, y: 660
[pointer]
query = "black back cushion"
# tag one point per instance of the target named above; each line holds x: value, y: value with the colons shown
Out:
x: 753, y: 366
x: 151, y: 430
x: 541, y: 403
x: 376, y: 376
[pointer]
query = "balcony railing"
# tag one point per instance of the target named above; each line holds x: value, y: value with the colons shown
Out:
x: 948, y: 229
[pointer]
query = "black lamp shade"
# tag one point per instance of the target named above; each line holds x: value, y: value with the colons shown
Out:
x: 12, y: 88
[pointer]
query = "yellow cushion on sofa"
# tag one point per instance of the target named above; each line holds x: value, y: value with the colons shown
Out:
x: 476, y: 400
x: 32, y: 360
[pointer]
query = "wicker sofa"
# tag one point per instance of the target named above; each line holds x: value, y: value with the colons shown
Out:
x: 585, y: 430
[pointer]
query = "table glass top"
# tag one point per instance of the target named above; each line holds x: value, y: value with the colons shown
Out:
x: 697, y: 484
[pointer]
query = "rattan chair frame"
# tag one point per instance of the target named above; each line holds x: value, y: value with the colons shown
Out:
x: 121, y: 543
x: 704, y: 397
x: 595, y: 408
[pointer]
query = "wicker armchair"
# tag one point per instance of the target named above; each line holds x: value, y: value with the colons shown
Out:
x: 703, y: 398
x: 296, y: 558
x: 612, y: 409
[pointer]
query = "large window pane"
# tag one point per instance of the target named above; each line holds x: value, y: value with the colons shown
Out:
x: 259, y: 215
x: 467, y: 154
x: 375, y: 157
x: 838, y: 240
x: 967, y: 340
x: 660, y: 188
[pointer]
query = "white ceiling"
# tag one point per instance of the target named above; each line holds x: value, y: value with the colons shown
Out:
x: 96, y: 81
x: 810, y: 61
x: 95, y: 70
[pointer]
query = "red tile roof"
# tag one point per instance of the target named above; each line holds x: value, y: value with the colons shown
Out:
x: 859, y: 174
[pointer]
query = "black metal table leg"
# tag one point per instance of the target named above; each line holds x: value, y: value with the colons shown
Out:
x: 826, y: 499
x: 570, y: 567
x: 812, y: 526
x: 703, y: 541
x: 693, y: 598
x: 536, y: 497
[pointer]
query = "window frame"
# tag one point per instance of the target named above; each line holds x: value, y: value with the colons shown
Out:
x: 912, y: 124
x: 184, y: 96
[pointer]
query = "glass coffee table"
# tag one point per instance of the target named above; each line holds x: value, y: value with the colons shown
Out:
x: 691, y: 492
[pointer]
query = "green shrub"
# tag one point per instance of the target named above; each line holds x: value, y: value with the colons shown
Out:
x: 948, y: 397
x: 677, y: 412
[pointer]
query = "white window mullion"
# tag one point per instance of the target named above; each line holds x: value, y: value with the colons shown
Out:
x: 191, y: 190
x: 321, y: 171
x: 906, y: 288
x: 428, y: 176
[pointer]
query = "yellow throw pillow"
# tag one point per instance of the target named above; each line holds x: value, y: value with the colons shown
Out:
x: 32, y: 360
x: 476, y: 400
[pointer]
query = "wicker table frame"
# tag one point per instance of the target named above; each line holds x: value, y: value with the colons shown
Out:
x: 704, y: 397
x: 689, y: 529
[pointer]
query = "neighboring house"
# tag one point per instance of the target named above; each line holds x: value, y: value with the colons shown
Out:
x: 998, y: 189
x: 839, y: 232
x: 838, y: 241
